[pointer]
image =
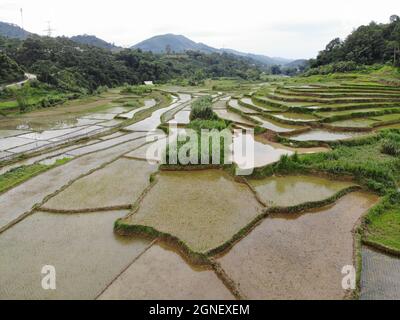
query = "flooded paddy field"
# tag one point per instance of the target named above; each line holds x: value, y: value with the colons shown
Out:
x: 323, y: 135
x: 234, y: 117
x: 250, y: 102
x: 147, y: 105
x: 298, y: 256
x: 82, y: 247
x: 230, y: 207
x: 274, y: 125
x: 116, y: 185
x: 296, y: 117
x: 66, y: 123
x: 380, y: 277
x: 286, y: 191
x: 259, y: 154
x: 181, y: 117
x: 235, y: 104
x: 17, y: 202
x: 163, y: 275
x: 354, y: 123
x: 152, y: 122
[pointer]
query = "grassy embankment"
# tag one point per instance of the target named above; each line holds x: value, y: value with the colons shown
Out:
x: 21, y: 174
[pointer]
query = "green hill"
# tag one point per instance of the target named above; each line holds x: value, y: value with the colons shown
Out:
x: 9, y: 30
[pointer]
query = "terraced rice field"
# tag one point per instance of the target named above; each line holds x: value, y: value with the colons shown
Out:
x: 280, y: 258
x: 274, y: 125
x: 183, y: 214
x: 116, y: 185
x: 43, y: 129
x: 118, y: 226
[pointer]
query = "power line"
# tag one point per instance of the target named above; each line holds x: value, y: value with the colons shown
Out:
x: 22, y: 19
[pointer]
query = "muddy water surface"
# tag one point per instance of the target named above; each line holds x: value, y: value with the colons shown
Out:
x: 152, y: 122
x: 275, y: 126
x: 202, y: 208
x: 231, y: 116
x: 162, y: 274
x: 321, y: 135
x: 119, y: 183
x: 296, y: 117
x: 83, y: 248
x: 293, y: 190
x: 249, y: 153
x: 298, y: 256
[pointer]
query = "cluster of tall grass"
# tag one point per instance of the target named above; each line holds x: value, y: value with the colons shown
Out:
x: 218, y: 124
x: 202, y: 109
x: 391, y: 145
x: 197, y: 150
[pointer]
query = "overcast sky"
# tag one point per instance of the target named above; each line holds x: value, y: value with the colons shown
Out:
x: 285, y: 28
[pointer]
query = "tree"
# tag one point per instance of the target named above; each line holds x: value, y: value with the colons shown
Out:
x: 21, y: 96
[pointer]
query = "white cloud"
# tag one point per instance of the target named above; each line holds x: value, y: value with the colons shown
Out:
x: 277, y: 28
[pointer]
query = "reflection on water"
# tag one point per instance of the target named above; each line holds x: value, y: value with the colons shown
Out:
x: 322, y: 135
x: 275, y: 126
x: 249, y: 153
x: 293, y: 190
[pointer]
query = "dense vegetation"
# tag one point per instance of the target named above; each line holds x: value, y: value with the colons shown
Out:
x: 367, y: 45
x: 202, y: 109
x: 69, y: 66
x: 10, y: 71
x: 93, y: 41
x: 18, y: 175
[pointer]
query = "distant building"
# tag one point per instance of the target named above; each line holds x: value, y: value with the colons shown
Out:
x: 149, y: 83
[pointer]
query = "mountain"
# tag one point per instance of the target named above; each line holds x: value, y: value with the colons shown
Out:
x: 94, y: 41
x: 10, y: 30
x: 176, y: 43
x: 259, y: 57
x: 179, y: 44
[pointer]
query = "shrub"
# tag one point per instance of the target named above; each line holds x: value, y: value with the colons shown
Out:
x: 21, y: 96
x: 202, y: 109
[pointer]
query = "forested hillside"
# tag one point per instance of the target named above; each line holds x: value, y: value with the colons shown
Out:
x: 9, y: 70
x: 68, y: 65
x: 94, y: 41
x: 367, y: 45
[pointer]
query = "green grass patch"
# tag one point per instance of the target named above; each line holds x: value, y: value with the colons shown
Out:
x: 382, y: 224
x: 18, y: 175
x: 202, y: 109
